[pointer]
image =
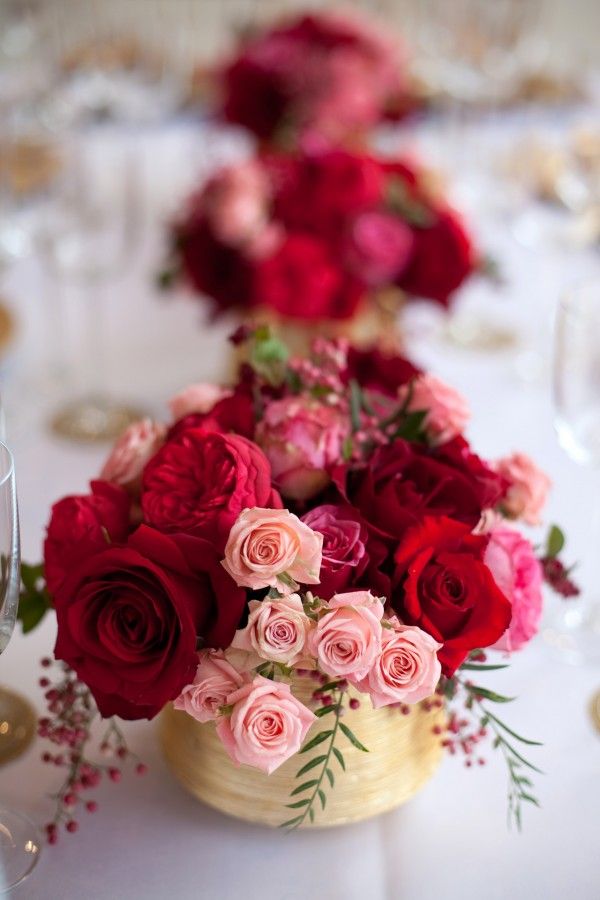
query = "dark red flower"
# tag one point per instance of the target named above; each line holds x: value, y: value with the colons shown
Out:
x: 442, y: 585
x: 234, y: 413
x: 378, y: 371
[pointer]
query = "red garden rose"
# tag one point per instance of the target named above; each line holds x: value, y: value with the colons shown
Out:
x: 81, y: 526
x: 442, y: 585
x: 130, y: 617
x: 234, y: 413
x: 379, y: 371
x: 200, y: 481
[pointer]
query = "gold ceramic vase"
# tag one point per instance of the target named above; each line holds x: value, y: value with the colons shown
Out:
x: 404, y: 752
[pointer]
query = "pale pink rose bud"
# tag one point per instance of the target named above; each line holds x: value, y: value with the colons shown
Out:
x: 528, y: 488
x: 136, y: 446
x: 270, y: 547
x: 347, y: 638
x: 236, y: 200
x: 214, y: 681
x: 267, y: 724
x: 407, y: 669
x: 197, y: 398
x: 518, y: 573
x: 277, y: 630
x: 447, y: 411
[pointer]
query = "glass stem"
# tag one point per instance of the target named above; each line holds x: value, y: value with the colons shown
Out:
x: 94, y: 340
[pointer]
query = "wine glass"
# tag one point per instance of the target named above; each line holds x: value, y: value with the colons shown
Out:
x: 20, y: 841
x: 576, y: 390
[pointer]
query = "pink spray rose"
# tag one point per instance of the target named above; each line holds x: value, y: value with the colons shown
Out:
x: 518, y: 574
x: 447, y: 411
x: 197, y: 398
x: 528, y: 489
x: 344, y: 556
x: 302, y: 439
x: 214, y: 681
x: 237, y: 199
x: 277, y: 630
x: 136, y: 446
x: 268, y: 547
x: 378, y: 247
x: 347, y: 638
x: 407, y: 670
x: 267, y: 724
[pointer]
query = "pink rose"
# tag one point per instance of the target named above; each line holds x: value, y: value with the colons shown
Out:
x: 270, y: 547
x: 267, y: 725
x: 302, y: 440
x: 344, y: 555
x: 528, y: 489
x: 136, y: 446
x: 197, y: 398
x: 237, y: 200
x: 277, y: 630
x: 214, y: 681
x: 518, y: 574
x: 347, y: 638
x: 447, y: 411
x: 378, y: 247
x: 407, y: 670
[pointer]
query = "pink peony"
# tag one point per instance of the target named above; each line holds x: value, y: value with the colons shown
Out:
x: 347, y: 638
x: 407, y: 669
x: 267, y: 725
x: 277, y: 630
x: 214, y: 681
x: 197, y: 398
x: 447, y: 411
x: 528, y: 489
x: 302, y: 440
x: 378, y: 247
x: 136, y: 446
x: 268, y: 547
x: 518, y: 574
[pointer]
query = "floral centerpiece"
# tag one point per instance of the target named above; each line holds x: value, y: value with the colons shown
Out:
x: 320, y: 75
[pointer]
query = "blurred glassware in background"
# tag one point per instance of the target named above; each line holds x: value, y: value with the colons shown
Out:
x: 575, y: 635
x: 20, y: 841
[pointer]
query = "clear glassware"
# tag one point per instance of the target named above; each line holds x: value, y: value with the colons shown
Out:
x: 576, y: 389
x: 20, y: 841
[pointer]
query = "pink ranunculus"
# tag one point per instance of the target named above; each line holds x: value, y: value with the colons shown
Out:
x: 214, y: 681
x: 528, y: 489
x: 302, y: 439
x: 277, y: 630
x: 136, y: 446
x: 268, y: 547
x: 267, y: 724
x: 237, y: 200
x: 518, y: 574
x: 197, y: 398
x: 447, y: 410
x: 407, y: 669
x: 347, y: 638
x: 378, y: 247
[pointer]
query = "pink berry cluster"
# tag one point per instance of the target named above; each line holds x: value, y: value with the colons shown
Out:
x: 322, y: 371
x: 68, y: 726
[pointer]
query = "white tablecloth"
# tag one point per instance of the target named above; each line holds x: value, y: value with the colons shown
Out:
x: 149, y: 839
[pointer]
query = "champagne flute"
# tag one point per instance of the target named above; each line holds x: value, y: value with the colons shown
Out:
x: 576, y: 391
x: 19, y: 839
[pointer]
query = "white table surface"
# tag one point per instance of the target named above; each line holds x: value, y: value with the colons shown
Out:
x: 149, y: 839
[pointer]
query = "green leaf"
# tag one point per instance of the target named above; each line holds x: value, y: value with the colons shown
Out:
x: 512, y: 733
x: 329, y: 774
x: 322, y: 798
x: 474, y: 667
x: 492, y: 696
x: 355, y: 404
x: 34, y: 600
x: 311, y: 814
x: 411, y: 427
x: 530, y: 799
x: 555, y: 541
x: 352, y: 738
x: 338, y: 755
x: 310, y: 765
x: 521, y: 758
x: 323, y: 710
x: 304, y: 787
x: 291, y: 822
x: 347, y: 448
x: 318, y: 739
x: 298, y: 804
x: 329, y: 686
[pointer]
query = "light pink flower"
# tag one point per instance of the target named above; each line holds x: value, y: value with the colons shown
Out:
x: 136, y: 446
x: 447, y: 410
x: 302, y: 440
x: 214, y: 681
x: 277, y: 630
x: 407, y: 669
x: 528, y: 489
x: 197, y: 398
x: 378, y: 247
x: 347, y: 638
x: 267, y: 547
x: 518, y: 574
x: 267, y: 725
x: 237, y: 199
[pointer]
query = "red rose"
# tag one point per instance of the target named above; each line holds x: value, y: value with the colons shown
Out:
x: 199, y: 482
x: 234, y: 413
x: 129, y: 619
x: 442, y: 585
x: 344, y: 554
x: 82, y: 526
x: 302, y: 280
x: 378, y: 371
